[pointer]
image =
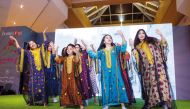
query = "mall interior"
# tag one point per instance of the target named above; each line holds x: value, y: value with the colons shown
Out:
x: 28, y: 20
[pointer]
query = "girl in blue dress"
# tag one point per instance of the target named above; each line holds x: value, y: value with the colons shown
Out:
x: 112, y: 84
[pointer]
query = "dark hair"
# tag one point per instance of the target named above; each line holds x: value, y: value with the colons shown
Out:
x: 148, y: 39
x: 67, y: 48
x: 80, y: 50
x: 63, y: 53
x: 102, y: 44
x: 46, y: 45
x: 49, y: 45
x: 28, y: 45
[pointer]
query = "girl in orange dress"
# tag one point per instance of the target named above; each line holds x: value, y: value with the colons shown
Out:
x: 70, y: 95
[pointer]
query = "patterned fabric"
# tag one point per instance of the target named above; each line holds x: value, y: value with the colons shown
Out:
x: 144, y: 46
x: 51, y: 77
x: 84, y: 82
x: 34, y: 88
x: 108, y: 57
x: 70, y: 94
x: 125, y: 76
x: 37, y: 58
x: 112, y: 84
x: 154, y: 76
x: 93, y: 78
x: 48, y: 59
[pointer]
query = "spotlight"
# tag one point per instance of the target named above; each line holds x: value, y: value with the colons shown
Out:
x: 21, y: 6
x: 121, y: 18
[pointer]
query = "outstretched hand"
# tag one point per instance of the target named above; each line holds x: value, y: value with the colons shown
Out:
x: 51, y: 44
x: 121, y: 35
x: 91, y: 45
x: 83, y: 43
x: 12, y: 38
x: 120, y: 32
x: 75, y: 41
x: 55, y: 49
x: 131, y: 42
x: 158, y: 32
x: 45, y: 30
x: 16, y: 42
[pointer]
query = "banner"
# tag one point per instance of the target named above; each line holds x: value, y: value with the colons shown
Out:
x: 94, y: 36
x: 9, y: 76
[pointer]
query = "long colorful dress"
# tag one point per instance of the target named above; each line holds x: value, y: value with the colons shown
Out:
x: 152, y: 66
x: 70, y: 94
x: 93, y: 77
x: 125, y: 76
x: 34, y: 77
x: 52, y: 75
x: 84, y: 82
x: 112, y: 84
x: 134, y: 76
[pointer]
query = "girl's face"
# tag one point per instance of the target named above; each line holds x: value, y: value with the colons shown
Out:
x: 77, y: 48
x: 108, y: 40
x: 141, y: 35
x: 32, y: 45
x: 50, y: 46
x: 70, y: 50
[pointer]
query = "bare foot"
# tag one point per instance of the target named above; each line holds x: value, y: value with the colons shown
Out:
x: 45, y: 105
x: 81, y: 107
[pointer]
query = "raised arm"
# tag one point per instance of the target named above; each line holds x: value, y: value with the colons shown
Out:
x: 91, y: 53
x: 163, y: 45
x: 137, y: 64
x: 44, y: 34
x: 163, y: 41
x: 123, y: 46
x: 75, y: 41
x: 92, y: 46
x: 160, y: 34
x: 131, y: 43
x: 58, y: 59
x: 55, y: 49
x: 122, y: 36
x: 84, y: 44
x: 16, y: 42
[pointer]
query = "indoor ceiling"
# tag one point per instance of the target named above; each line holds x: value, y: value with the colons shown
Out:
x: 39, y: 14
x: 125, y: 12
x: 122, y: 13
x: 35, y: 14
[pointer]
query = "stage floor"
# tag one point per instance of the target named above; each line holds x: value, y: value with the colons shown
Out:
x: 17, y: 102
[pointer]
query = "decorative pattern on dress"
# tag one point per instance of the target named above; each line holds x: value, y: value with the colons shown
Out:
x: 112, y: 84
x: 154, y: 75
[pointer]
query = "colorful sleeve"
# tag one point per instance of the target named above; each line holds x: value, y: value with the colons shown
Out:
x: 121, y: 48
x: 163, y: 45
x: 84, y: 52
x: 59, y: 60
x: 21, y: 52
x: 93, y: 54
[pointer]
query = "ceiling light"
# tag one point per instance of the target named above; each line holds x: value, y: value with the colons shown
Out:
x: 14, y: 23
x: 21, y: 6
x: 121, y: 18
